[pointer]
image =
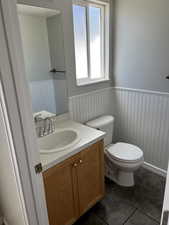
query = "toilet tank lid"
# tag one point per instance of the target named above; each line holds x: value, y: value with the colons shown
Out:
x: 100, y: 121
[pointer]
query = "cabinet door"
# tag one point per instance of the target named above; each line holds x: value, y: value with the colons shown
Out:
x: 61, y: 193
x: 90, y: 174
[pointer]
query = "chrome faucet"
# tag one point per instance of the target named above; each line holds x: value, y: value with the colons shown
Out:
x: 48, y: 127
x: 38, y: 117
x: 44, y: 126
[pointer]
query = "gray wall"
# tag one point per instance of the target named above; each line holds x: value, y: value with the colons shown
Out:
x: 47, y: 93
x: 36, y: 47
x: 66, y: 8
x: 43, y: 96
x: 141, y: 57
x: 56, y: 44
x: 142, y: 44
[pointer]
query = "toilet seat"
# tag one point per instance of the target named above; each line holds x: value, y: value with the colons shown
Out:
x: 125, y: 152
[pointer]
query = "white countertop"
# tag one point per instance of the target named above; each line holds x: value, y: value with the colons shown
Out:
x: 88, y: 136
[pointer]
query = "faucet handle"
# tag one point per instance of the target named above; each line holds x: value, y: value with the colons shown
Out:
x: 38, y: 117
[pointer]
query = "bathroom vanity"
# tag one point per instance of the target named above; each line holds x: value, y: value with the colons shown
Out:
x: 74, y: 178
x: 74, y: 185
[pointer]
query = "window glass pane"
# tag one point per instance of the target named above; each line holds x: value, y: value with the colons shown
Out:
x: 79, y: 17
x: 95, y: 41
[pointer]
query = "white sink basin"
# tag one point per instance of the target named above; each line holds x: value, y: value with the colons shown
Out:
x: 58, y: 141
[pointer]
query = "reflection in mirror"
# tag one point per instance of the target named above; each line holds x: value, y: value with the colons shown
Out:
x: 43, y: 47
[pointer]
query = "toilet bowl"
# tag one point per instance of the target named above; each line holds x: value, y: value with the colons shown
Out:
x: 126, y: 158
x: 121, y: 159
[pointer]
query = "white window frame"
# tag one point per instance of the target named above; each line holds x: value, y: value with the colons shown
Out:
x: 104, y: 42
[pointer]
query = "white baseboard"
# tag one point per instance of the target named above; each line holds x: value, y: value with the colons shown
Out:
x: 155, y: 169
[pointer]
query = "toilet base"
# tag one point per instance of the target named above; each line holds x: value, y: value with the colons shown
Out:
x: 121, y: 177
x: 125, y: 179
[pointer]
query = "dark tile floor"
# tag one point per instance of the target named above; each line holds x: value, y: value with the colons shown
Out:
x: 138, y: 205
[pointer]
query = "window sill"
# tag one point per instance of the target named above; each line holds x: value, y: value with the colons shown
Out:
x: 90, y: 82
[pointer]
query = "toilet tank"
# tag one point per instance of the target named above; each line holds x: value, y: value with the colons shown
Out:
x: 106, y: 124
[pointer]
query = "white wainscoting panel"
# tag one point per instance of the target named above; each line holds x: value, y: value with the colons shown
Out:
x: 142, y: 118
x: 91, y: 105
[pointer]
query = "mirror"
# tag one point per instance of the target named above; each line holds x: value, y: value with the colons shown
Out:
x: 43, y: 47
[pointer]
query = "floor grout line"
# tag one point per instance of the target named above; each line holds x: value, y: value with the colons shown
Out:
x: 130, y: 198
x: 130, y: 216
x: 149, y: 216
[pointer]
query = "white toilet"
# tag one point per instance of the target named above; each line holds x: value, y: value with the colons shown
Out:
x: 121, y: 159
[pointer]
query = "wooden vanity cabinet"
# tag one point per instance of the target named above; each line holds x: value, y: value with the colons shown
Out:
x: 90, y: 176
x: 74, y: 185
x: 60, y: 190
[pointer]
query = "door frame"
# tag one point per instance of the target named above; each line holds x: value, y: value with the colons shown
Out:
x: 5, y: 126
x: 165, y: 210
x: 19, y: 110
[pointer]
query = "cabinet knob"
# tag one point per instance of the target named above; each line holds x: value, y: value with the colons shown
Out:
x: 75, y: 164
x: 80, y: 161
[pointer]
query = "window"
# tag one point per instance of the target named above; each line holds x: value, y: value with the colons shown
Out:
x: 91, y: 36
